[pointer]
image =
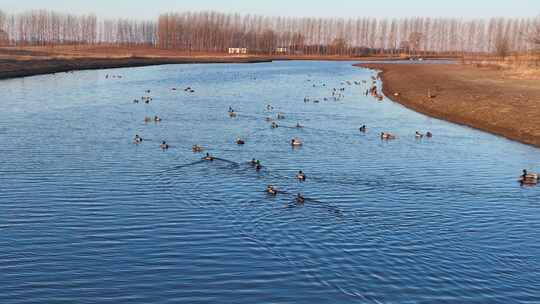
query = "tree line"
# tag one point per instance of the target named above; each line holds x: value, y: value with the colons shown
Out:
x: 216, y: 32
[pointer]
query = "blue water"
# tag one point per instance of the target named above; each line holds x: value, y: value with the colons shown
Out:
x: 86, y: 216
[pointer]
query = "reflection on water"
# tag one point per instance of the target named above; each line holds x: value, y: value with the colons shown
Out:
x: 87, y: 216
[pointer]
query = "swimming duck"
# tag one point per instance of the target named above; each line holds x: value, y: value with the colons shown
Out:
x: 418, y: 134
x: 528, y: 178
x: 280, y: 116
x: 157, y: 118
x: 271, y: 190
x: 298, y: 125
x: 232, y: 114
x: 429, y: 135
x: 387, y: 136
x: 300, y: 198
x: 301, y: 176
x: 274, y: 125
x: 147, y: 119
x: 296, y: 142
x: 239, y: 141
x: 137, y: 139
x: 208, y: 157
x: 363, y: 129
x: 196, y: 148
x: 268, y: 119
x: 164, y: 145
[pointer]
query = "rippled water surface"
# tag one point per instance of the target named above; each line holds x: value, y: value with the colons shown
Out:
x: 86, y: 216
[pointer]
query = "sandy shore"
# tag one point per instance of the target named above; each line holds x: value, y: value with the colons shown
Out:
x: 483, y: 98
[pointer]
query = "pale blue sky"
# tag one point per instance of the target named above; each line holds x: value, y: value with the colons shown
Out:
x: 332, y: 8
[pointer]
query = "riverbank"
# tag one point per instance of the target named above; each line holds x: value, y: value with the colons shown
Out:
x: 23, y: 68
x: 37, y: 60
x: 484, y: 98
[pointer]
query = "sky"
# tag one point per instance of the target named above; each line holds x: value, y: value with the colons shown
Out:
x: 149, y: 9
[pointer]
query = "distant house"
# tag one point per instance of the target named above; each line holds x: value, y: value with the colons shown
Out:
x: 282, y: 50
x: 4, y: 38
x: 238, y: 51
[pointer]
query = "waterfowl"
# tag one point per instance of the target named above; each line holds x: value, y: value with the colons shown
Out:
x: 239, y: 141
x: 271, y: 190
x: 208, y: 157
x: 268, y: 119
x: 147, y: 119
x: 164, y: 145
x: 429, y: 135
x: 298, y: 125
x: 157, y: 118
x: 418, y: 134
x: 137, y: 139
x: 232, y: 114
x: 363, y: 129
x: 295, y: 142
x: 528, y: 178
x: 280, y: 116
x: 300, y: 199
x: 387, y: 136
x: 274, y: 125
x: 301, y: 176
x: 135, y: 101
x: 196, y: 148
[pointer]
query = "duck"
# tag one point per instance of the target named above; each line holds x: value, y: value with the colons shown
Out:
x: 135, y: 101
x: 164, y: 145
x: 429, y: 135
x: 274, y: 125
x: 208, y: 157
x: 301, y: 176
x: 300, y: 198
x: 271, y: 190
x: 295, y: 142
x: 363, y: 129
x: 232, y: 114
x: 280, y: 116
x: 196, y: 148
x: 239, y: 141
x: 418, y: 134
x: 157, y: 118
x: 529, y: 178
x: 268, y: 119
x: 387, y: 136
x: 147, y: 119
x: 137, y: 139
x: 298, y: 125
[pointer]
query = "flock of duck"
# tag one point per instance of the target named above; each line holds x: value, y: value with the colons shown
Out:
x: 527, y: 178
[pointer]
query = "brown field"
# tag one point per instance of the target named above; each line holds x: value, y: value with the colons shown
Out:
x: 493, y: 99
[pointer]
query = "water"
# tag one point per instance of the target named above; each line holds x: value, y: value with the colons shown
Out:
x: 86, y: 216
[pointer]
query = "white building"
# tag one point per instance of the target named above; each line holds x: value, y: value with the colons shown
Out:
x: 237, y: 50
x: 282, y: 50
